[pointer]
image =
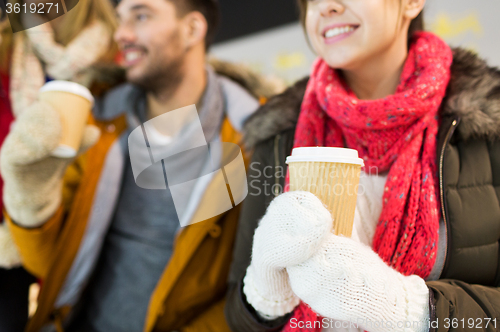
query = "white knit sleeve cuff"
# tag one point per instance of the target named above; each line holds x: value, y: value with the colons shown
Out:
x: 417, y: 300
x: 264, y: 305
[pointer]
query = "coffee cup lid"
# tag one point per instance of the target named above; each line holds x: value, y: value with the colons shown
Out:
x: 325, y: 154
x: 70, y: 87
x: 64, y: 151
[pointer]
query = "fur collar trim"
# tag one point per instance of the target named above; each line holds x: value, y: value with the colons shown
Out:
x: 473, y: 95
x: 257, y: 85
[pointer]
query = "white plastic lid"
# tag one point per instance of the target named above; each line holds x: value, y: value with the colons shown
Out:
x: 71, y: 87
x: 64, y: 151
x: 325, y: 154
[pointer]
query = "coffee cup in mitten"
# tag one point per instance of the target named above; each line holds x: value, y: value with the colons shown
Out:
x: 74, y: 103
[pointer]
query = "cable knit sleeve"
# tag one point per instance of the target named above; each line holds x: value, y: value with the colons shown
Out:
x: 368, y: 207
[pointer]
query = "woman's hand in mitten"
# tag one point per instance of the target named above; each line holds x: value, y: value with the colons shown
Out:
x: 347, y: 281
x: 32, y: 177
x: 290, y: 232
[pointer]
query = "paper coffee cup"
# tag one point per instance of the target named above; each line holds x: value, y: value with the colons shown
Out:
x: 332, y: 174
x: 74, y: 103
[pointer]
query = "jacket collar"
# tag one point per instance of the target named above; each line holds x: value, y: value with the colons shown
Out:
x: 211, y: 108
x: 121, y: 99
x: 473, y: 96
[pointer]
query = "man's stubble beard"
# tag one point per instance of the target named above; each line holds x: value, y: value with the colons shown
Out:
x: 164, y: 77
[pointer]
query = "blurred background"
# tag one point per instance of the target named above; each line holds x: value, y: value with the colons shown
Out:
x: 267, y: 36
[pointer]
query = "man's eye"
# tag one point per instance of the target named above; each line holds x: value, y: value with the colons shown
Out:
x: 141, y: 17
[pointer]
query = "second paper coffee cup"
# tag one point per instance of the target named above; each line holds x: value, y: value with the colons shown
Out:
x: 332, y: 174
x: 73, y: 102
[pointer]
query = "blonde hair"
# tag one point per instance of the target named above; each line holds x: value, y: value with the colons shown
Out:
x: 71, y: 24
x: 5, y: 44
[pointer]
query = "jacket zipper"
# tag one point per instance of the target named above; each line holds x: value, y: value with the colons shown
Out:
x: 441, y: 191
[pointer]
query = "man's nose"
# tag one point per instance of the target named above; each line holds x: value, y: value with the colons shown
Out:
x: 124, y: 35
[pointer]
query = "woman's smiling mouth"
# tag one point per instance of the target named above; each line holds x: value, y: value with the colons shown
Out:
x: 337, y: 32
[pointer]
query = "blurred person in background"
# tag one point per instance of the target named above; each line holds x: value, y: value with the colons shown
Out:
x: 111, y: 255
x: 66, y: 49
x: 425, y: 118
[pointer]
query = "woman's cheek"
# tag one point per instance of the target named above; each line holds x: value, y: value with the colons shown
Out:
x: 316, y: 42
x: 317, y: 47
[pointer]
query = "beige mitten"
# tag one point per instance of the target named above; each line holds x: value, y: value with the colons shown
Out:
x: 32, y: 177
x: 9, y: 256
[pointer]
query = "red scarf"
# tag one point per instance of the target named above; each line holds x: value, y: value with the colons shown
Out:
x: 6, y: 118
x: 397, y: 134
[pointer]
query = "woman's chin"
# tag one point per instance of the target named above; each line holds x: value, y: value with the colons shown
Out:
x: 338, y: 56
x: 338, y: 64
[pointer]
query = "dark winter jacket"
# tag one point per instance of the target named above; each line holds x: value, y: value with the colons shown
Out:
x: 465, y: 282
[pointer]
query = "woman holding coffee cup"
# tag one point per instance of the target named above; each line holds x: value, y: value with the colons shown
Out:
x: 424, y: 120
x: 67, y: 48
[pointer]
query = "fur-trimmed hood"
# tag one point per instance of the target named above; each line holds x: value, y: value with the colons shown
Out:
x: 473, y: 95
x: 258, y: 85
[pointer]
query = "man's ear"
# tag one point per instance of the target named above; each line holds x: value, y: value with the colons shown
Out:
x: 412, y: 8
x: 194, y: 29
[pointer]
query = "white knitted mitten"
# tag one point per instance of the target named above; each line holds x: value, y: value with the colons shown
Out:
x: 290, y: 232
x: 346, y: 280
x: 32, y: 177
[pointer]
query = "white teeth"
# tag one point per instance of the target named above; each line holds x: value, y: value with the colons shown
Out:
x: 131, y: 56
x: 338, y: 31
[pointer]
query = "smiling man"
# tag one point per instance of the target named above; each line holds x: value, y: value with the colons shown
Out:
x: 111, y: 255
